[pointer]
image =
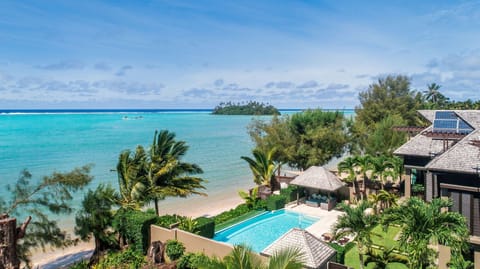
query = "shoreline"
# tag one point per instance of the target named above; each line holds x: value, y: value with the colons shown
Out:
x: 195, y: 206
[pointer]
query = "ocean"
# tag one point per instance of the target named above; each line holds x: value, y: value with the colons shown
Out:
x: 46, y: 141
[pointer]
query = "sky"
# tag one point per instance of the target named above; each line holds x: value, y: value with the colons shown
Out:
x: 195, y: 54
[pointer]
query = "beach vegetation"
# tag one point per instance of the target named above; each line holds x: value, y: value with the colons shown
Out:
x: 248, y: 108
x: 174, y: 249
x: 167, y: 175
x: 251, y: 198
x: 311, y: 137
x: 132, y: 178
x: 262, y: 166
x: 37, y: 201
x: 95, y: 219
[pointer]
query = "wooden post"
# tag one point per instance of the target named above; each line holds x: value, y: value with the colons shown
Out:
x: 477, y: 259
x: 407, y: 179
x: 9, y: 235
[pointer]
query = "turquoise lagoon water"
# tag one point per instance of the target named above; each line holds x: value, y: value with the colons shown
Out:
x: 262, y: 230
x: 46, y: 142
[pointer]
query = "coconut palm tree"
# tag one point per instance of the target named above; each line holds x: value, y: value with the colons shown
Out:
x: 263, y: 167
x: 348, y: 166
x: 425, y: 224
x: 242, y: 257
x: 166, y: 173
x: 132, y: 178
x: 356, y: 222
x: 432, y: 93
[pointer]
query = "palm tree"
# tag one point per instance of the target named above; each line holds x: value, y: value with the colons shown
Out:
x: 431, y: 94
x: 263, y: 167
x: 424, y: 224
x: 348, y: 165
x: 242, y: 257
x: 356, y: 222
x: 131, y: 178
x: 166, y: 173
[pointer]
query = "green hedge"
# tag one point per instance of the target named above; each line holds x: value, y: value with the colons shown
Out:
x: 205, y: 227
x: 166, y: 221
x: 341, y: 250
x: 275, y: 202
x: 290, y: 193
x: 232, y: 213
x: 134, y: 226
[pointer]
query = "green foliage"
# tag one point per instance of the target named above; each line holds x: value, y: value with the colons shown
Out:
x: 80, y: 265
x: 232, y: 213
x: 132, y: 178
x: 312, y: 137
x: 262, y: 166
x: 251, y: 198
x: 424, y: 224
x: 174, y: 249
x: 418, y: 188
x: 166, y: 221
x: 192, y: 261
x: 250, y: 108
x: 341, y: 250
x: 205, y: 227
x: 188, y: 224
x: 134, y: 227
x: 386, y: 103
x: 95, y: 218
x: 290, y: 193
x: 49, y: 195
x: 275, y: 202
x: 127, y: 259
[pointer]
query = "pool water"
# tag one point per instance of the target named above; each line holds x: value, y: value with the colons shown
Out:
x: 262, y: 230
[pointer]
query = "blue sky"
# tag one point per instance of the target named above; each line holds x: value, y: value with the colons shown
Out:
x: 195, y: 54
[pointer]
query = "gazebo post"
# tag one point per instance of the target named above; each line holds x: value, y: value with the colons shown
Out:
x: 298, y: 197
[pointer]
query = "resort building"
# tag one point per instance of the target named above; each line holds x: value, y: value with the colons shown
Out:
x: 443, y: 160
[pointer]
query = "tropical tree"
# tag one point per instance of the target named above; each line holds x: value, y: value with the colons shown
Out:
x: 95, y: 219
x: 37, y: 201
x: 263, y: 167
x: 348, y: 166
x: 385, y: 168
x: 242, y: 257
x: 433, y: 96
x: 251, y: 198
x: 425, y: 224
x: 312, y: 137
x: 132, y: 180
x: 166, y: 173
x: 383, y: 199
x: 356, y: 222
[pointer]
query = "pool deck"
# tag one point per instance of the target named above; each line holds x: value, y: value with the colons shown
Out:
x: 327, y: 218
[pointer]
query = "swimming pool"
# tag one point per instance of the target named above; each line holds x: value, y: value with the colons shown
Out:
x: 260, y: 231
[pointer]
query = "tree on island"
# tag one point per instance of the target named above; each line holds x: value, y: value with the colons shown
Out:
x: 311, y: 137
x: 249, y: 108
x: 153, y: 175
x: 51, y: 195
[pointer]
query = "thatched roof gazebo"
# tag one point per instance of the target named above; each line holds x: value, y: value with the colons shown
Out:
x: 316, y: 254
x: 318, y: 178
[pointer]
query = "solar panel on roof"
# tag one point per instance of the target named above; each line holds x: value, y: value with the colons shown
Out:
x: 449, y: 122
x: 445, y: 115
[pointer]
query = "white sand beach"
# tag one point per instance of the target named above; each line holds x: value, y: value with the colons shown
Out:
x: 194, y: 206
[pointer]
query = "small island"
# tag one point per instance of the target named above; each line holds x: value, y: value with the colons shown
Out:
x: 250, y: 108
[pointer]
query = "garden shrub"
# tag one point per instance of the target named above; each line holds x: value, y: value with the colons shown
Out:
x: 232, y: 213
x: 342, y: 250
x: 290, y: 193
x: 192, y: 261
x: 134, y: 227
x: 127, y: 259
x: 174, y: 249
x: 79, y: 265
x: 275, y: 202
x: 205, y: 227
x: 166, y: 221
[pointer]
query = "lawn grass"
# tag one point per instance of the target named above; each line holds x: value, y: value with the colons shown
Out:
x: 379, y: 238
x: 238, y: 219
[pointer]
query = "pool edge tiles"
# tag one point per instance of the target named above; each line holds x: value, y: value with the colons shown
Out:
x: 260, y: 231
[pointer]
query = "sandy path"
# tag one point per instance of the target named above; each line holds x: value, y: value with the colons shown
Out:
x: 193, y: 206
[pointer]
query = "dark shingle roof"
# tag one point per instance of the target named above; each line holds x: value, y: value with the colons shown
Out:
x: 318, y: 177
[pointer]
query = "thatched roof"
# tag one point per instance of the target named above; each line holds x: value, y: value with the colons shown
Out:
x: 316, y: 253
x: 318, y: 177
